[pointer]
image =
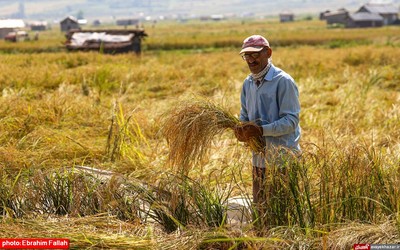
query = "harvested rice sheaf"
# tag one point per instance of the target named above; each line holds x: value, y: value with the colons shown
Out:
x: 191, y: 128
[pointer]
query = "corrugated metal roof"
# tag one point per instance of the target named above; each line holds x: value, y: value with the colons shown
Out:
x: 12, y: 23
x: 365, y: 16
x: 381, y: 8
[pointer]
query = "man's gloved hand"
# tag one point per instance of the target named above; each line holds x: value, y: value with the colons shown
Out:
x: 247, y: 131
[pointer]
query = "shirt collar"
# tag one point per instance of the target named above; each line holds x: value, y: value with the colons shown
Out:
x: 269, y: 76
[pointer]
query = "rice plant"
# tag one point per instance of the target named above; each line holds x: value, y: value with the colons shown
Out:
x: 63, y: 192
x: 11, y: 196
x: 178, y: 202
x: 167, y: 208
x: 286, y: 195
x: 124, y: 137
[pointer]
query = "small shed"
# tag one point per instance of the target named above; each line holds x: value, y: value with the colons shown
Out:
x: 69, y: 23
x: 10, y: 25
x: 364, y: 19
x: 96, y: 22
x: 127, y: 22
x: 286, y: 17
x: 389, y: 12
x: 107, y: 41
x: 38, y: 25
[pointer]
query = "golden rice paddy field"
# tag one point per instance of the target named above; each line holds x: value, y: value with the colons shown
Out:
x: 62, y: 113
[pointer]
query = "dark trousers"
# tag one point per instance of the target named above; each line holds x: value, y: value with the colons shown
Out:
x: 259, y: 197
x: 271, y: 196
x: 258, y: 185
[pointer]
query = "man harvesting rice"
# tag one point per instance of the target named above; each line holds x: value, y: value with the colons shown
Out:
x: 270, y: 101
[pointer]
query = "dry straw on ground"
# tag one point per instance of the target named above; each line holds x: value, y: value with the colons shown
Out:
x: 99, y: 231
x: 190, y: 129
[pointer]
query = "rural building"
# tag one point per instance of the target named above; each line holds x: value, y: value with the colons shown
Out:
x: 69, y: 23
x: 369, y: 15
x: 388, y: 12
x: 286, y: 17
x: 204, y: 18
x: 38, y: 25
x: 96, y: 22
x: 127, y: 22
x: 336, y: 17
x: 10, y: 25
x: 323, y: 14
x: 217, y: 17
x: 107, y: 41
x: 364, y: 19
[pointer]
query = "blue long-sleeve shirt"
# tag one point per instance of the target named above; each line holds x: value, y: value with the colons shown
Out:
x: 274, y: 105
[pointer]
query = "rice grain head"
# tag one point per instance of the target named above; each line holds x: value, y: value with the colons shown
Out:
x: 190, y: 130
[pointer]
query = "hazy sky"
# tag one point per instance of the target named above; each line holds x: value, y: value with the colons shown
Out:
x: 53, y: 9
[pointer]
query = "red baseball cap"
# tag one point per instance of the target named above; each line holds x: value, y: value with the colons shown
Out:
x: 254, y: 43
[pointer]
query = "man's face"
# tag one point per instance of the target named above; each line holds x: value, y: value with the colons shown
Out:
x: 257, y: 60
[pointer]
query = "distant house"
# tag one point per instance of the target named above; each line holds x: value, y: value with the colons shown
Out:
x: 96, y: 22
x: 336, y: 17
x: 127, y: 22
x: 323, y: 14
x: 204, y: 18
x: 389, y: 12
x: 217, y: 17
x: 10, y: 25
x: 286, y: 17
x: 69, y: 23
x: 38, y: 25
x: 108, y: 41
x: 364, y: 19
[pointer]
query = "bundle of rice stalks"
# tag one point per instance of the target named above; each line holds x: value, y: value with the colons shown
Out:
x: 191, y: 128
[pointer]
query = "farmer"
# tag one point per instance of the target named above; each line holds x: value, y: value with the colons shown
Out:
x: 269, y: 100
